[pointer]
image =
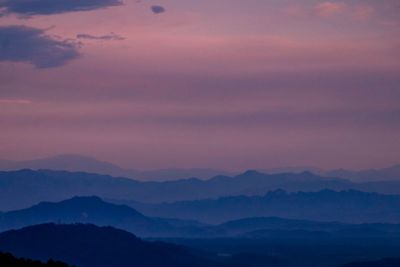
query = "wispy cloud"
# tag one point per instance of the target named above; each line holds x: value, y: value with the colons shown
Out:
x: 363, y: 12
x: 353, y: 11
x: 109, y: 37
x: 48, y: 7
x: 32, y: 45
x: 327, y: 9
x: 330, y: 9
x: 15, y: 101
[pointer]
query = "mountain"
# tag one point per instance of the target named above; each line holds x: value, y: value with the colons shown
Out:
x: 8, y: 260
x: 93, y: 210
x: 385, y: 174
x: 249, y: 225
x: 292, y: 169
x: 85, y: 245
x: 68, y: 162
x: 93, y: 246
x: 24, y: 188
x: 275, y: 227
x: 345, y: 206
x: 173, y: 174
x: 389, y: 262
x: 79, y: 163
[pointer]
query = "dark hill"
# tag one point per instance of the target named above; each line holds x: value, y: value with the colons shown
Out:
x: 8, y: 260
x: 92, y: 246
x: 390, y: 262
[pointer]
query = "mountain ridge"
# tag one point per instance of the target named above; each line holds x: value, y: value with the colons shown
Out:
x: 94, y: 210
x: 349, y: 206
x: 24, y: 188
x: 81, y: 163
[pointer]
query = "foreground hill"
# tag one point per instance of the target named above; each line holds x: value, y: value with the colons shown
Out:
x: 24, y: 188
x: 92, y: 246
x: 8, y: 260
x: 390, y: 262
x: 326, y: 205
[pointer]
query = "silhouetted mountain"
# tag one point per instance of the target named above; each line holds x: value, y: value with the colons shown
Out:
x: 327, y: 205
x: 242, y: 226
x: 390, y: 262
x: 274, y: 227
x: 95, y: 211
x: 92, y: 246
x: 68, y: 162
x: 8, y: 260
x: 385, y: 174
x: 298, y: 249
x: 24, y: 188
x: 292, y: 169
x: 79, y: 163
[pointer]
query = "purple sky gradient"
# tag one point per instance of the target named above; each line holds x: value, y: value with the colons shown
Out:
x: 225, y: 84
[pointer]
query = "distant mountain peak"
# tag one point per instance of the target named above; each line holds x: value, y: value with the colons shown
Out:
x: 91, y: 199
x: 73, y: 156
x: 82, y: 163
x: 251, y: 172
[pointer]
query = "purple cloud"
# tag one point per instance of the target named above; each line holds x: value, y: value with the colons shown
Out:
x: 26, y: 44
x: 158, y: 9
x: 48, y: 7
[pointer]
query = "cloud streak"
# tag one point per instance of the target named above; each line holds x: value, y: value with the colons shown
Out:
x: 109, y: 37
x: 327, y: 9
x: 14, y: 101
x: 31, y: 45
x: 331, y: 9
x: 48, y: 7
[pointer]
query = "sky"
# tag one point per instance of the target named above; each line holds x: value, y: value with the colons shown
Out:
x: 222, y: 84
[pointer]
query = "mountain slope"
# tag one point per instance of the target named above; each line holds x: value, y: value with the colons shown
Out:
x: 385, y: 174
x: 93, y: 210
x: 79, y: 163
x: 92, y: 246
x: 68, y: 162
x: 389, y: 262
x: 8, y: 260
x: 24, y: 188
x: 326, y: 205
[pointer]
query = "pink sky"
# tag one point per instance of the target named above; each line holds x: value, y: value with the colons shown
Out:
x: 225, y: 84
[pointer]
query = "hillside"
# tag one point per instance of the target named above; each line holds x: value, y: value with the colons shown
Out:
x: 93, y: 210
x: 80, y: 163
x: 24, y: 188
x: 93, y: 246
x: 8, y: 260
x: 344, y: 206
